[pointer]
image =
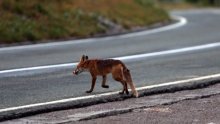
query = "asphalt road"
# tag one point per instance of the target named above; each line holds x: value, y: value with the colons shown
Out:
x: 202, y: 28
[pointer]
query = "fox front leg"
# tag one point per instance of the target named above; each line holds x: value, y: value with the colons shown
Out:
x: 104, y: 81
x: 93, y: 84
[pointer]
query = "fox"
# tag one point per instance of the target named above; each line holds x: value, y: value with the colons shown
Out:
x: 103, y: 67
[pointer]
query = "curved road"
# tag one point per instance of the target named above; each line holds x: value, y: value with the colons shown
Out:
x: 41, y: 86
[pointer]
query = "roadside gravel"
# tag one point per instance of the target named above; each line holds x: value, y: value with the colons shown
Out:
x: 198, y: 106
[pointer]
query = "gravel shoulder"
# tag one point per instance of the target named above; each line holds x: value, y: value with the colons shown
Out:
x: 196, y: 106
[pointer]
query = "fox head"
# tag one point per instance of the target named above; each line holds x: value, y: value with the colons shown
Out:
x: 80, y: 68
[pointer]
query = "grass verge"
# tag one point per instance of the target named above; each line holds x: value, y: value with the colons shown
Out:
x: 34, y: 21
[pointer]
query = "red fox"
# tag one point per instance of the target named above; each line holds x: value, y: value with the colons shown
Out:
x: 98, y: 67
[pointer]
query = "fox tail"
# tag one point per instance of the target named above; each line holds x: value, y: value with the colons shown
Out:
x: 127, y: 77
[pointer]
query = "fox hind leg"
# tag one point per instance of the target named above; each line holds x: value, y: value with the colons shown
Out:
x: 125, y: 87
x: 117, y: 74
x: 124, y: 84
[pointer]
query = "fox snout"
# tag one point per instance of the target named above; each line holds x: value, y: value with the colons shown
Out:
x: 75, y: 72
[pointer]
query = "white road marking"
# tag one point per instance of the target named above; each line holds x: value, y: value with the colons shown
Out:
x: 174, y: 51
x: 37, y: 68
x: 109, y: 93
x: 181, y: 22
x: 124, y: 58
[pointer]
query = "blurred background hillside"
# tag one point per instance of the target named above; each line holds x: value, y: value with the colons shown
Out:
x: 36, y: 21
x: 187, y: 4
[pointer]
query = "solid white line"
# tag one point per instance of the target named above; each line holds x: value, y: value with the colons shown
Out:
x: 37, y: 68
x: 124, y: 58
x: 108, y: 94
x: 181, y: 22
x: 174, y: 51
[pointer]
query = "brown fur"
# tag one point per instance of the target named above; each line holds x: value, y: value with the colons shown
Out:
x: 98, y: 67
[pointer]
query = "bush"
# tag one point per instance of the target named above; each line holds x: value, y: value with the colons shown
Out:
x: 31, y: 20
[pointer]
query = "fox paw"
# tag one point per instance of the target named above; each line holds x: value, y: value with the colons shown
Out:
x: 121, y: 92
x: 105, y: 86
x: 127, y: 92
x: 88, y: 91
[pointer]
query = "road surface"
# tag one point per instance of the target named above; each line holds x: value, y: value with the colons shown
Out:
x: 37, y: 86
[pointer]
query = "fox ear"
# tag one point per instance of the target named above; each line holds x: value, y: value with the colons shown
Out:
x: 87, y: 57
x: 83, y: 58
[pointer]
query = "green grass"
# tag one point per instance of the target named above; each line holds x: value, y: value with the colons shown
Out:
x: 33, y: 21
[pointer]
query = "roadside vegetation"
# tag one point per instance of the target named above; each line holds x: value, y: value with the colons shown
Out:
x: 38, y: 21
x: 187, y: 4
x: 202, y: 3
